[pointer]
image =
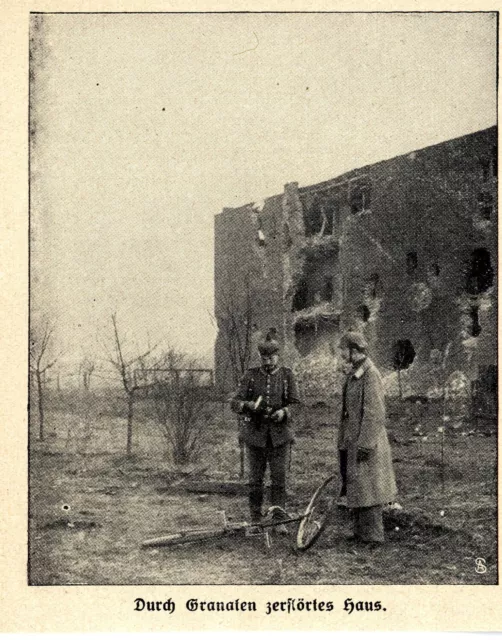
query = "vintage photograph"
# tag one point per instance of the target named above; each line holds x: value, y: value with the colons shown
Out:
x: 263, y: 298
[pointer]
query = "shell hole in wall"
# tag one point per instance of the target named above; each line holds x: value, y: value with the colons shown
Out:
x: 316, y: 284
x: 475, y: 325
x: 288, y: 241
x: 374, y: 285
x: 411, y: 262
x: 363, y: 312
x: 485, y: 203
x: 360, y: 198
x: 320, y: 217
x: 314, y: 334
x: 260, y: 235
x: 327, y: 290
x: 480, y: 275
x: 300, y: 298
x: 403, y: 354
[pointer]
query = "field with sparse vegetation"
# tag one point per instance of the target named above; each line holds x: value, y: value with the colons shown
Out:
x: 91, y: 506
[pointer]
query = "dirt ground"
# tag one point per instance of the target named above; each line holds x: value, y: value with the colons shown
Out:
x: 91, y: 506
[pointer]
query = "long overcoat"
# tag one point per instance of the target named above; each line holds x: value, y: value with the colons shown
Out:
x: 370, y: 482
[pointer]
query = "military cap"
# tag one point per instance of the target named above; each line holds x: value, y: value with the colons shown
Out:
x: 354, y: 339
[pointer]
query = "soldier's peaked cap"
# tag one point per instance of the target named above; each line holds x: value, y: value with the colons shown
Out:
x: 354, y: 339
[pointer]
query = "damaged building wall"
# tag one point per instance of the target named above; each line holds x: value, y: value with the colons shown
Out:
x: 404, y: 250
x: 428, y: 241
x: 248, y: 284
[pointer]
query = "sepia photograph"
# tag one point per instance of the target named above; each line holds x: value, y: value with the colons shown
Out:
x: 263, y: 282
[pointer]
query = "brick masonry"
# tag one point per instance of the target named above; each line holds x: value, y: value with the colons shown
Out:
x: 404, y: 250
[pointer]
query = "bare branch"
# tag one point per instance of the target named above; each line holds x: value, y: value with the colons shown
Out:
x: 39, y: 364
x: 120, y: 364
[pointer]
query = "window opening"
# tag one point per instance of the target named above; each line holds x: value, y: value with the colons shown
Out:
x: 313, y: 218
x: 480, y: 275
x: 360, y: 199
x: 485, y: 170
x: 300, y: 298
x: 402, y: 357
x: 364, y: 313
x: 319, y: 217
x: 327, y: 289
x: 261, y: 235
x: 330, y: 213
x: 288, y: 241
x: 411, y: 262
x: 475, y: 326
x: 374, y: 281
x: 485, y: 202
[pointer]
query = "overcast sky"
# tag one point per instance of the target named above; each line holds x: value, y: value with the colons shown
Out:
x: 148, y: 125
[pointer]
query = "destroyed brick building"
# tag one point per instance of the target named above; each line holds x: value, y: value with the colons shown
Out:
x: 404, y: 250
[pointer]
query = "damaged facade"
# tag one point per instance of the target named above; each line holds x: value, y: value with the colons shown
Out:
x: 404, y: 250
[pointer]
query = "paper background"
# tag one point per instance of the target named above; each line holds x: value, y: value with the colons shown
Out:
x: 110, y: 608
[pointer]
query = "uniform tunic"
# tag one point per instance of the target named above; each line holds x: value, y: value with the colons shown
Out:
x: 278, y: 390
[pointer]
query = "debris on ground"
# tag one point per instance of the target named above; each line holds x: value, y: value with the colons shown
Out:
x: 63, y: 524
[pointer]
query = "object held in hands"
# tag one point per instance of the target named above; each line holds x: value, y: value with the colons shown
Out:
x: 279, y: 415
x: 251, y: 405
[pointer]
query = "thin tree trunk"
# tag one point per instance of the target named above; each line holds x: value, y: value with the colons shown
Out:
x: 130, y: 413
x: 400, y: 384
x: 40, y: 405
x: 442, y: 474
x: 443, y: 426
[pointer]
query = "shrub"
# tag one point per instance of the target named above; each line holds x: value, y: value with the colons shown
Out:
x: 182, y: 408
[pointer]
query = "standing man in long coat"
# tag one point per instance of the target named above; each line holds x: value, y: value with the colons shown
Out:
x: 365, y: 456
x: 264, y: 400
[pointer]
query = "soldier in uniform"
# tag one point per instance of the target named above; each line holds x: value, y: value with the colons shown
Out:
x: 365, y: 454
x: 264, y: 400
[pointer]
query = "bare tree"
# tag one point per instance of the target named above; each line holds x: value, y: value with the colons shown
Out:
x: 86, y: 369
x: 42, y: 358
x: 126, y: 367
x: 181, y: 402
x: 236, y: 326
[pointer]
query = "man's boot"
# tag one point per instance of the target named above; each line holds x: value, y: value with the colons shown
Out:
x: 342, y: 499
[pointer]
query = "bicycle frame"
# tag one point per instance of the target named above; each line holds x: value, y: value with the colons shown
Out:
x: 227, y: 530
x: 275, y: 516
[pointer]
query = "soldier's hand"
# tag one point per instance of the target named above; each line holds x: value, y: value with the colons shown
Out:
x: 363, y: 455
x: 279, y: 415
x: 248, y: 406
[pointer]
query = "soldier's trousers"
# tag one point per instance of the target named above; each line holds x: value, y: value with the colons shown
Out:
x: 277, y: 459
x: 368, y: 524
x: 343, y: 458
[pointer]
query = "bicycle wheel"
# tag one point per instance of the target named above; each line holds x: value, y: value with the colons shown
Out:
x: 191, y: 536
x: 317, y: 514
